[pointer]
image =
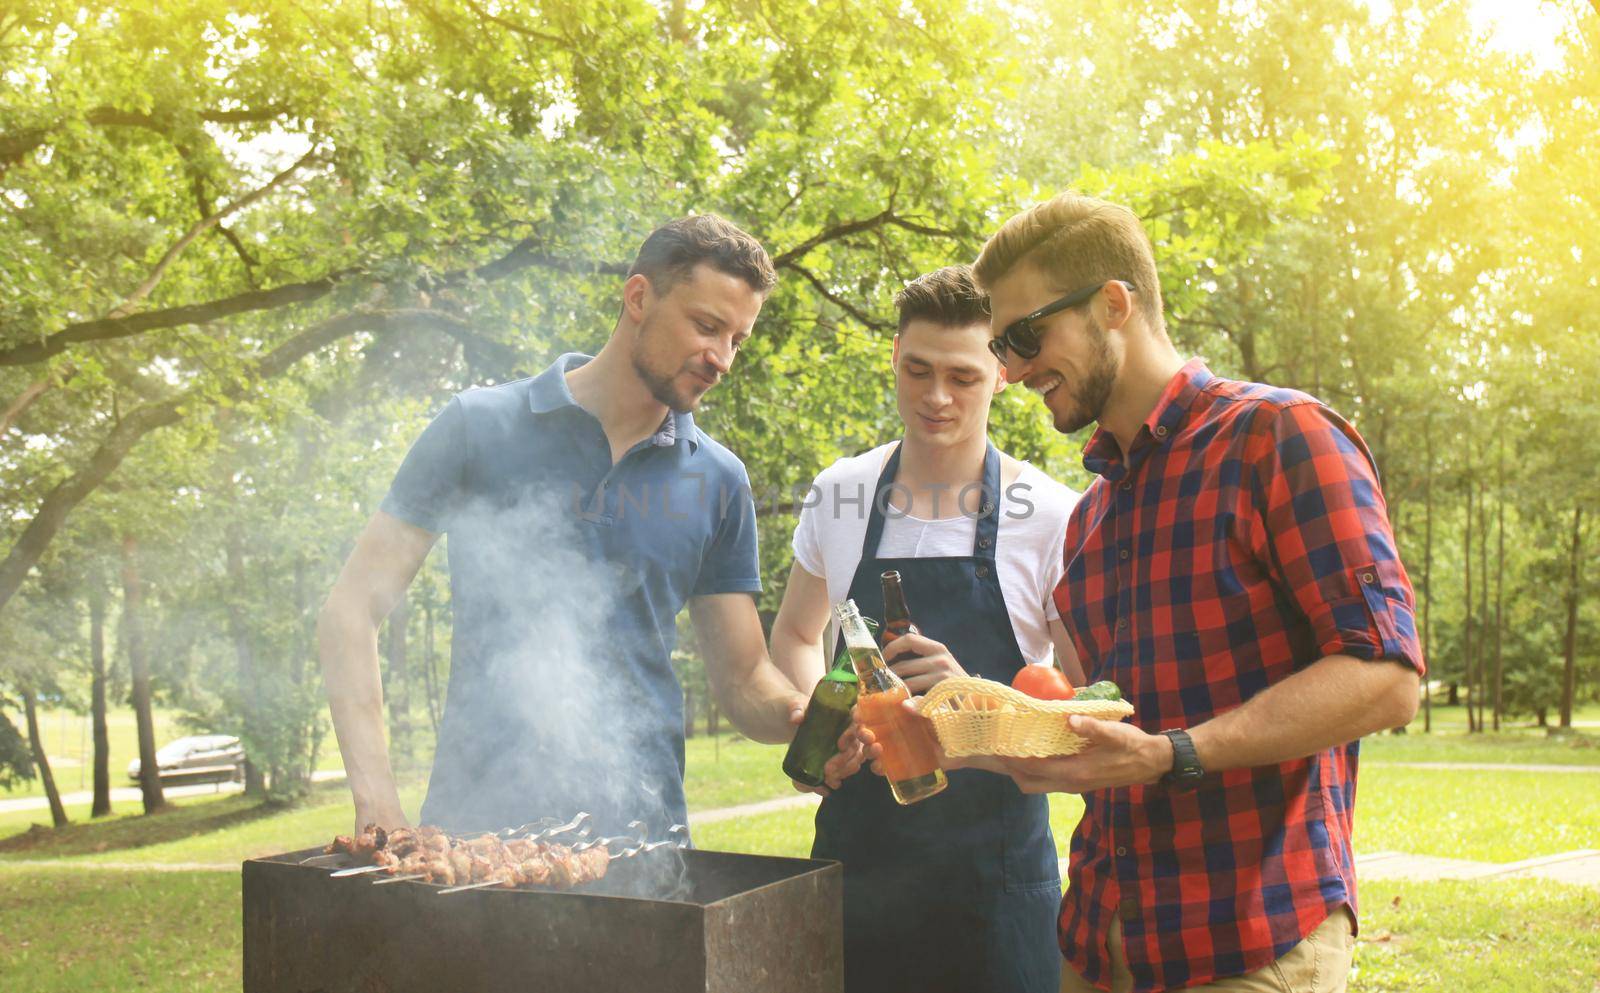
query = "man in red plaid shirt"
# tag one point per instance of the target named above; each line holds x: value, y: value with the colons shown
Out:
x: 1233, y: 570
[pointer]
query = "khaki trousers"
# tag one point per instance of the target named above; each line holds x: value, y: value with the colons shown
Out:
x: 1319, y: 964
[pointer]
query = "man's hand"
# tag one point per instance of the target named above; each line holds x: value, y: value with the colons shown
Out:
x: 845, y: 762
x: 384, y: 817
x: 923, y: 662
x: 1117, y: 755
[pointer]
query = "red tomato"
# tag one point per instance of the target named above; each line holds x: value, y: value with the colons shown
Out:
x: 1043, y: 682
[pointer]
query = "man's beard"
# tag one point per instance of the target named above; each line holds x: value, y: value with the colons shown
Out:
x: 1094, y: 392
x: 663, y: 386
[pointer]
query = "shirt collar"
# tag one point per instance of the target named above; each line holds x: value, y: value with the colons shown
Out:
x: 549, y: 392
x: 1103, y: 456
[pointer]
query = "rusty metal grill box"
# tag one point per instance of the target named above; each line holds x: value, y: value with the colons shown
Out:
x: 670, y: 921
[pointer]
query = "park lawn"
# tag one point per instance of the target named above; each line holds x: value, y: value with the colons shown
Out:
x: 730, y: 770
x: 1446, y: 718
x: 1487, y: 936
x: 1514, y: 746
x: 219, y: 830
x: 227, y: 828
x: 1489, y: 816
x: 63, y: 930
x: 69, y: 930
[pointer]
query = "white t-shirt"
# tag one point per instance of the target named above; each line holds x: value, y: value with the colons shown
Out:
x: 1028, y: 550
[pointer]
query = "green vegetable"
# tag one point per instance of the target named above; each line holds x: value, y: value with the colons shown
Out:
x: 1105, y: 689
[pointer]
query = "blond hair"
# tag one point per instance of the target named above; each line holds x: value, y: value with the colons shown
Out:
x: 1079, y: 240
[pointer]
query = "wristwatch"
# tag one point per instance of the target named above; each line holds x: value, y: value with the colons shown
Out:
x: 1186, y: 771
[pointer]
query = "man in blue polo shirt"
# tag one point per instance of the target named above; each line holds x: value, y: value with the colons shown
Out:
x: 584, y: 509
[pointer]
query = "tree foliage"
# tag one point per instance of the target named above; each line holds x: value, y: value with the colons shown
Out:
x: 245, y: 251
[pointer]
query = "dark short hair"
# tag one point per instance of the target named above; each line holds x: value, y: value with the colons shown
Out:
x: 675, y: 248
x: 948, y: 297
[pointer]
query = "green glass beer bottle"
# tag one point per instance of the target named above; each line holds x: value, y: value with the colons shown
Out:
x: 827, y: 715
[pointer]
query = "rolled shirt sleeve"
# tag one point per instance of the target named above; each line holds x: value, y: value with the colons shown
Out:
x: 1323, y: 534
x: 428, y: 486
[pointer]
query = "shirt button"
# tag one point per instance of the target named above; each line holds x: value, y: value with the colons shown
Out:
x: 1161, y: 430
x: 984, y: 542
x: 1121, y: 850
x: 1367, y: 577
x: 1124, y: 555
x: 1127, y: 486
x: 983, y: 571
x: 1122, y: 622
x: 986, y: 509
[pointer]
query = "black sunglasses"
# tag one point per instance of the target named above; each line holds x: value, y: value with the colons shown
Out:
x: 1022, y: 337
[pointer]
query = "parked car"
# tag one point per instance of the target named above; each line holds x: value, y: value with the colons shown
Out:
x: 200, y: 758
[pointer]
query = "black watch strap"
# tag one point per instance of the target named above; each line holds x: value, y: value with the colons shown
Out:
x: 1186, y: 770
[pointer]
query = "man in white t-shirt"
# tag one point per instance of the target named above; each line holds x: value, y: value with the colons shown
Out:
x: 958, y: 892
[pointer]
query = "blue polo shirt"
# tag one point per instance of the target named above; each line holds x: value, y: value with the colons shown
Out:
x: 567, y: 574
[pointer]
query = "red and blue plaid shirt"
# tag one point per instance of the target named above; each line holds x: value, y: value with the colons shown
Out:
x: 1243, y: 538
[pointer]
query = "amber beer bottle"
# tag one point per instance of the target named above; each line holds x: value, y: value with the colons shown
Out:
x: 896, y: 613
x: 910, y: 761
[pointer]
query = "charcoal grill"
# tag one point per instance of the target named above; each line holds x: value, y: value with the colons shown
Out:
x: 664, y: 922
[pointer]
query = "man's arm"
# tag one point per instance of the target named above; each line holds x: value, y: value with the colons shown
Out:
x: 1336, y: 699
x: 800, y: 628
x: 762, y: 702
x: 386, y: 558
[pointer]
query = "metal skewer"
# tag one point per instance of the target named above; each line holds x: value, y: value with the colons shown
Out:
x: 579, y: 825
x: 639, y: 845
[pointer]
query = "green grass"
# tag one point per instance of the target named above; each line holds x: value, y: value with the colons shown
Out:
x: 67, y: 929
x: 731, y: 770
x: 1497, y: 816
x: 228, y: 828
x: 221, y: 830
x: 1506, y: 936
x: 64, y: 931
x: 1585, y: 716
x: 789, y: 832
x: 1511, y: 746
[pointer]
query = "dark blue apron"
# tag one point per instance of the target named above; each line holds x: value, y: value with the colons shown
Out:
x: 958, y: 892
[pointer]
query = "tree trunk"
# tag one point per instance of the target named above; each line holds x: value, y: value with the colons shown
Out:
x: 97, y: 700
x: 1427, y: 573
x: 1466, y: 629
x: 139, y: 668
x: 688, y: 711
x: 1569, y: 677
x: 1499, y: 585
x: 255, y: 780
x: 58, y: 813
x: 1484, y: 689
x: 396, y: 682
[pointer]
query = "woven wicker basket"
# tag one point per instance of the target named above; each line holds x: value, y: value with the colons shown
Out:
x: 981, y: 717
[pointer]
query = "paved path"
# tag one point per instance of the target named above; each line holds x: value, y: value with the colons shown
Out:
x: 1580, y: 867
x: 751, y: 809
x: 131, y: 794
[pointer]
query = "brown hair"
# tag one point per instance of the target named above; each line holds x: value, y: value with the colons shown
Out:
x: 948, y: 296
x: 672, y: 251
x: 1079, y: 240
